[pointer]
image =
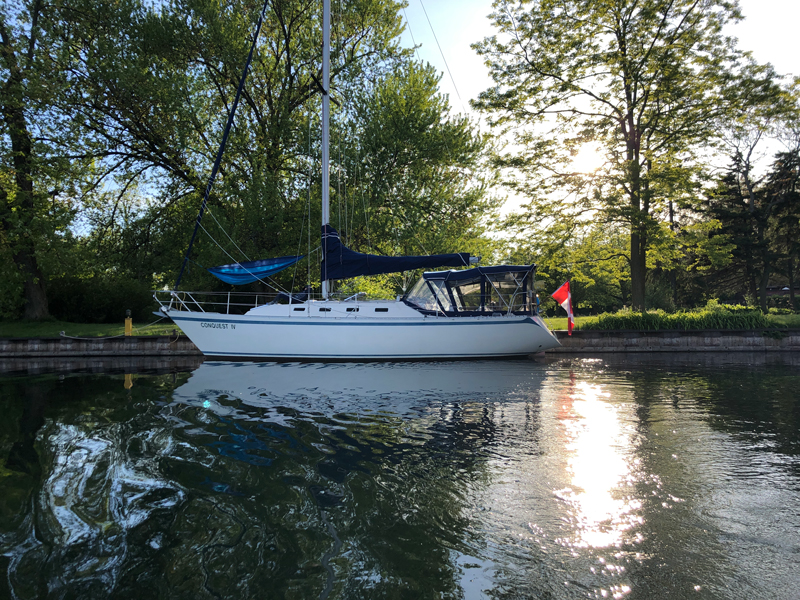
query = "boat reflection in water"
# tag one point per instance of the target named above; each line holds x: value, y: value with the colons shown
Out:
x: 378, y: 464
x: 393, y: 388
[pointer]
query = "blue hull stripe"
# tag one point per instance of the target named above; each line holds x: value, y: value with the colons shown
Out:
x: 351, y: 323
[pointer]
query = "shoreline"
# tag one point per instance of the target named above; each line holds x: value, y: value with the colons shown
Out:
x: 597, y: 341
x: 581, y: 342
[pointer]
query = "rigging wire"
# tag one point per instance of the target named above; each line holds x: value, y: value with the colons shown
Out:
x: 235, y: 245
x: 442, y: 53
x: 452, y: 79
x: 366, y: 212
x: 224, y: 141
x: 413, y: 41
x: 274, y: 285
x: 358, y: 179
x: 299, y: 243
x: 341, y: 196
x: 416, y: 50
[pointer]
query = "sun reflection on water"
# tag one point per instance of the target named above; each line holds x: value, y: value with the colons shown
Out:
x: 597, y: 446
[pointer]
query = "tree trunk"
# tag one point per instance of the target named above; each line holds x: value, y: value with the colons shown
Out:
x: 762, y: 288
x: 638, y: 270
x: 36, y: 307
x: 673, y: 275
x: 23, y: 245
x: 752, y: 288
x: 639, y: 208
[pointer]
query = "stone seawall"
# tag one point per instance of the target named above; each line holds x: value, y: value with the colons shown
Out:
x: 707, y: 340
x: 64, y: 347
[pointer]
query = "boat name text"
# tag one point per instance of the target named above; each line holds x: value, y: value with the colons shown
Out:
x: 217, y: 325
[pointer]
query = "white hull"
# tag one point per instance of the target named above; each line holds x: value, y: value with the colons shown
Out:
x: 382, y: 330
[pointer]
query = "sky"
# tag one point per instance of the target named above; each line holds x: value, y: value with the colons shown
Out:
x: 769, y: 31
x: 449, y: 27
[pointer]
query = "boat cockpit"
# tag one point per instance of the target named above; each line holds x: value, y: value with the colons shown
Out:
x: 480, y: 291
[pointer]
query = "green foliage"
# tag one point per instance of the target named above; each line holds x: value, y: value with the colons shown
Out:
x: 712, y: 316
x: 100, y: 299
x: 760, y: 218
x: 647, y: 81
x: 418, y: 183
x: 790, y: 321
x: 37, y: 175
x: 10, y: 286
x: 374, y: 287
x: 658, y: 294
x: 105, y: 149
x: 124, y: 104
x: 150, y: 88
x: 593, y: 259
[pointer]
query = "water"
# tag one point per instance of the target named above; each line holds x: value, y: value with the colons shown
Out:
x: 574, y: 478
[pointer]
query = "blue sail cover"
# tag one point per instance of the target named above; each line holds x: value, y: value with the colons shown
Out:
x: 248, y: 272
x: 339, y: 262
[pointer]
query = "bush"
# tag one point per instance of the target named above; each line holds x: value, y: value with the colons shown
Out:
x: 99, y: 300
x: 712, y: 316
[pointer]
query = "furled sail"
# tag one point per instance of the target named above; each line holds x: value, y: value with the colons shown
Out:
x: 255, y: 270
x: 339, y: 262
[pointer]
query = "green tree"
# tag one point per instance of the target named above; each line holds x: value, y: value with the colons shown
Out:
x: 783, y: 183
x: 759, y: 215
x: 50, y: 158
x: 592, y: 259
x: 155, y: 87
x: 124, y: 112
x: 416, y: 174
x: 26, y: 159
x: 648, y: 81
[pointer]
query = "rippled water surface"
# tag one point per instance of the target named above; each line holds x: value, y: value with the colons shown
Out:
x: 572, y: 478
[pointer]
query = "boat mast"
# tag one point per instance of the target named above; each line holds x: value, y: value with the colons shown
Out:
x: 326, y: 107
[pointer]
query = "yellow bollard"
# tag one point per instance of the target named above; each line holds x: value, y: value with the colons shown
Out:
x: 128, y: 322
x: 128, y: 381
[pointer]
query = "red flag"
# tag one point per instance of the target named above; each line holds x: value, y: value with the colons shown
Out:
x: 563, y: 296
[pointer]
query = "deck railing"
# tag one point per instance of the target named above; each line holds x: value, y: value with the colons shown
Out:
x: 235, y: 303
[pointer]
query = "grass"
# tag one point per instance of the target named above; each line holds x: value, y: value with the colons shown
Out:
x: 45, y: 329
x: 789, y: 321
x: 561, y: 322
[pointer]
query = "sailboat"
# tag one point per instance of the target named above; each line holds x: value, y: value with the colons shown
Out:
x: 472, y: 312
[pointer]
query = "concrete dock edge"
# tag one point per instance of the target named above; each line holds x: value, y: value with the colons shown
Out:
x: 705, y: 340
x: 143, y: 345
